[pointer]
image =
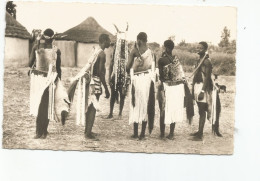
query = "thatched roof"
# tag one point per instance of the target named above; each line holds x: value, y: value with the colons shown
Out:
x: 14, y: 28
x: 87, y: 32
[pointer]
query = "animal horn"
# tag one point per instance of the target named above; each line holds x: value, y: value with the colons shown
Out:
x: 116, y: 28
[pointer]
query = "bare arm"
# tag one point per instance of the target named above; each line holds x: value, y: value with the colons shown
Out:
x: 160, y: 67
x: 32, y: 56
x: 130, y: 61
x: 102, y: 69
x: 208, y: 71
x: 111, y: 64
x: 58, y: 63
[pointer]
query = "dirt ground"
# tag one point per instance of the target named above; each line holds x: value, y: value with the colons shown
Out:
x: 114, y: 135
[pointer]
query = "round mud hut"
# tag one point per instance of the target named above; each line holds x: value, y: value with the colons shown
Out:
x: 16, y: 43
x: 77, y: 43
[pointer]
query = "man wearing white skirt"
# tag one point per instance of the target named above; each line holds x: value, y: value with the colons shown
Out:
x: 48, y: 97
x: 170, y: 90
x: 142, y: 97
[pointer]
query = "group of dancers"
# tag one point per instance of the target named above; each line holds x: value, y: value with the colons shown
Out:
x: 138, y: 72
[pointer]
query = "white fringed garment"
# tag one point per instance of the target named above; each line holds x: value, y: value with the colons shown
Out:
x: 80, y: 120
x: 141, y: 83
x: 82, y: 105
x: 37, y: 84
x: 174, y: 103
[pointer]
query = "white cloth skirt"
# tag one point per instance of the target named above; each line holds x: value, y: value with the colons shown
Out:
x: 141, y: 83
x: 37, y: 85
x: 174, y: 104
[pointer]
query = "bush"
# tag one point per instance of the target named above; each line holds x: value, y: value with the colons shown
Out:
x: 223, y: 63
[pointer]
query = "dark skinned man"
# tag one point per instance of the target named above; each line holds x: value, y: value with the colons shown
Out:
x: 141, y: 66
x: 170, y: 90
x: 48, y: 98
x: 89, y: 81
x: 203, y: 89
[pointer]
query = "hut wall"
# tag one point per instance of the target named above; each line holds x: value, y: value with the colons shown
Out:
x: 16, y: 52
x: 68, y: 55
x: 84, y: 51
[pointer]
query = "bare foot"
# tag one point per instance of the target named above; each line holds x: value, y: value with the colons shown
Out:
x: 90, y: 136
x: 194, y: 134
x: 109, y: 116
x: 134, y: 136
x: 44, y: 136
x: 142, y: 137
x: 162, y: 137
x: 170, y: 137
x: 36, y: 137
x: 197, y: 138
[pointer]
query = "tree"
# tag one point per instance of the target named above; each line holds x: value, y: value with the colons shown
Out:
x: 182, y: 43
x: 232, y: 47
x: 172, y: 37
x: 10, y: 8
x: 233, y: 44
x: 224, y: 42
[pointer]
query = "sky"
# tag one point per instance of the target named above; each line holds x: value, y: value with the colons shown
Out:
x: 189, y: 23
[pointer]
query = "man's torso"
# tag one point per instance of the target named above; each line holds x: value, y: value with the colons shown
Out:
x: 144, y: 63
x: 96, y: 69
x: 205, y: 67
x: 46, y: 56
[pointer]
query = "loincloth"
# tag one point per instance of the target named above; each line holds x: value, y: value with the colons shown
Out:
x: 206, y: 99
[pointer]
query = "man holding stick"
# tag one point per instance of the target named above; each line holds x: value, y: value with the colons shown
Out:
x: 205, y: 93
x: 142, y: 96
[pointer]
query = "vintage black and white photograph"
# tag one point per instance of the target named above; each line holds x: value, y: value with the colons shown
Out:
x: 119, y: 78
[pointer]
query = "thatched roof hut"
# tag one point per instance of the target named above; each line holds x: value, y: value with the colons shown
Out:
x: 14, y: 28
x: 86, y: 32
x: 77, y: 43
x: 16, y: 43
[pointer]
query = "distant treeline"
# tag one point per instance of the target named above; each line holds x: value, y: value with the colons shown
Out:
x: 222, y: 58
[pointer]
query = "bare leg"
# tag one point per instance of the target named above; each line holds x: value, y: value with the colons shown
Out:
x: 162, y: 125
x: 122, y: 102
x: 42, y: 120
x: 112, y: 102
x: 90, y: 118
x: 171, y: 134
x: 64, y: 115
x: 135, y: 135
x: 215, y: 127
x: 202, y: 112
x: 142, y: 135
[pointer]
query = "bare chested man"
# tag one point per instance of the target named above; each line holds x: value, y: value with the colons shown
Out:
x: 142, y: 97
x: 46, y: 86
x: 91, y: 77
x: 203, y: 89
